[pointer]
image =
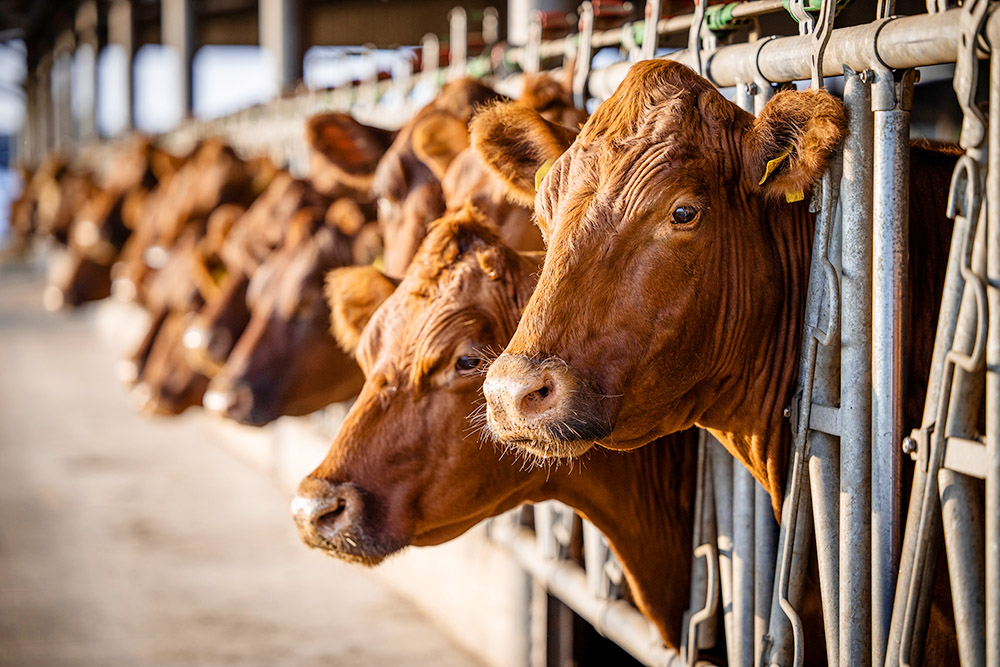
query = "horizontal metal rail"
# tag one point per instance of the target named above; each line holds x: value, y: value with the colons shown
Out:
x: 616, y: 619
x: 897, y: 43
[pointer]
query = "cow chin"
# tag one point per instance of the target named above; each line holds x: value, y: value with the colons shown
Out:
x: 552, y: 442
x: 359, y: 548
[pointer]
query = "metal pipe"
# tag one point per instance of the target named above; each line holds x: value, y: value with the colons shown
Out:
x: 854, y: 635
x: 765, y: 560
x: 742, y: 637
x: 824, y: 448
x: 704, y: 531
x: 616, y: 619
x: 891, y: 103
x: 962, y: 517
x: 993, y: 356
x: 722, y: 488
x: 897, y: 43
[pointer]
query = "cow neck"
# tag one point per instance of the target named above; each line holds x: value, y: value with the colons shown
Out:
x: 754, y: 428
x: 642, y: 501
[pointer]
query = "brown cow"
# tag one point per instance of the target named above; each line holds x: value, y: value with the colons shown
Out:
x: 343, y: 155
x: 285, y: 362
x: 694, y: 271
x: 409, y: 182
x: 405, y: 469
x: 211, y: 176
x: 102, y: 224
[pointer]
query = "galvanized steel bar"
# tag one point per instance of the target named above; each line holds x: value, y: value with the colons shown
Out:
x: 993, y: 356
x: 722, y: 488
x: 897, y: 43
x: 962, y: 517
x: 765, y: 557
x: 704, y: 592
x: 856, y: 376
x: 891, y: 100
x: 616, y: 619
x: 742, y: 637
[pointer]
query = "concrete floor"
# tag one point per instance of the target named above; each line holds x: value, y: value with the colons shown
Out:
x: 127, y: 540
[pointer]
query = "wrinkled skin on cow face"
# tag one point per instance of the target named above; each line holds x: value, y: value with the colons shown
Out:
x: 286, y: 362
x: 406, y: 469
x: 671, y: 294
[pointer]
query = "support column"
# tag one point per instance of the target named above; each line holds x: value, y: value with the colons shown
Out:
x: 86, y: 39
x: 43, y: 106
x: 62, y: 80
x: 278, y: 36
x: 120, y: 33
x: 177, y: 32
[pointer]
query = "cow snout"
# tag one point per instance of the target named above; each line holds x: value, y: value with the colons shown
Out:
x: 234, y: 401
x: 330, y: 517
x: 206, y: 348
x: 523, y: 390
x: 533, y: 405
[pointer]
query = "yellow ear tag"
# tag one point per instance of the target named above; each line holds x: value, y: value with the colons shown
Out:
x: 540, y: 174
x: 792, y: 197
x: 773, y: 164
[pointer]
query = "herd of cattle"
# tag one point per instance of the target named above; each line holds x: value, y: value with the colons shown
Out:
x: 623, y: 278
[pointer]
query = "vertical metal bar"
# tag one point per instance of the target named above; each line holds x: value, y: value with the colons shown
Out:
x: 891, y: 104
x: 458, y: 31
x: 824, y: 482
x: 742, y: 638
x: 993, y: 358
x: 854, y: 637
x: 765, y: 555
x: 722, y: 488
x: 961, y: 511
x: 177, y: 31
x: 120, y: 33
x: 704, y: 531
x: 962, y: 517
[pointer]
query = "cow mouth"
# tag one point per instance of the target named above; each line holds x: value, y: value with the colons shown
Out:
x: 563, y: 440
x: 357, y: 547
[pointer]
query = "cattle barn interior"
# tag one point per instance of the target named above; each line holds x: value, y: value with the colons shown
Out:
x: 659, y: 332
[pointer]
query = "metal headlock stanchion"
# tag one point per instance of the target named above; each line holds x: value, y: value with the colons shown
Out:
x: 948, y: 453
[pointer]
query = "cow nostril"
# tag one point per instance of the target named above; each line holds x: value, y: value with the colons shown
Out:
x: 326, y: 519
x: 540, y: 398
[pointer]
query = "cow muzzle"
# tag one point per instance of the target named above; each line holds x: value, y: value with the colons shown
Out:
x: 331, y: 517
x: 532, y: 406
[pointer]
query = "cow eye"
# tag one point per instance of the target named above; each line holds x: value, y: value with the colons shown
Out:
x: 683, y: 215
x: 466, y: 364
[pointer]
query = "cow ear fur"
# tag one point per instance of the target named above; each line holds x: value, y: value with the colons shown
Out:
x: 343, y: 151
x: 515, y: 142
x: 354, y: 294
x: 437, y: 139
x: 796, y: 132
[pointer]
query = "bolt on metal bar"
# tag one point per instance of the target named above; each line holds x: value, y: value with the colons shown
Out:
x: 856, y: 376
x: 891, y: 101
x: 993, y: 356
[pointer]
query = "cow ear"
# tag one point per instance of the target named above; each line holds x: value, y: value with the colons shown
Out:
x: 518, y: 144
x: 790, y: 144
x: 343, y: 151
x: 437, y: 139
x: 354, y: 294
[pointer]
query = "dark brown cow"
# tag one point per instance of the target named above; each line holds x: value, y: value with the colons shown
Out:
x: 405, y: 469
x: 694, y: 271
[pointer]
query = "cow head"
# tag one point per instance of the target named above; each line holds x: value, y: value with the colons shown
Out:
x: 672, y: 289
x: 407, y: 183
x: 286, y: 362
x: 405, y: 467
x: 343, y: 154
